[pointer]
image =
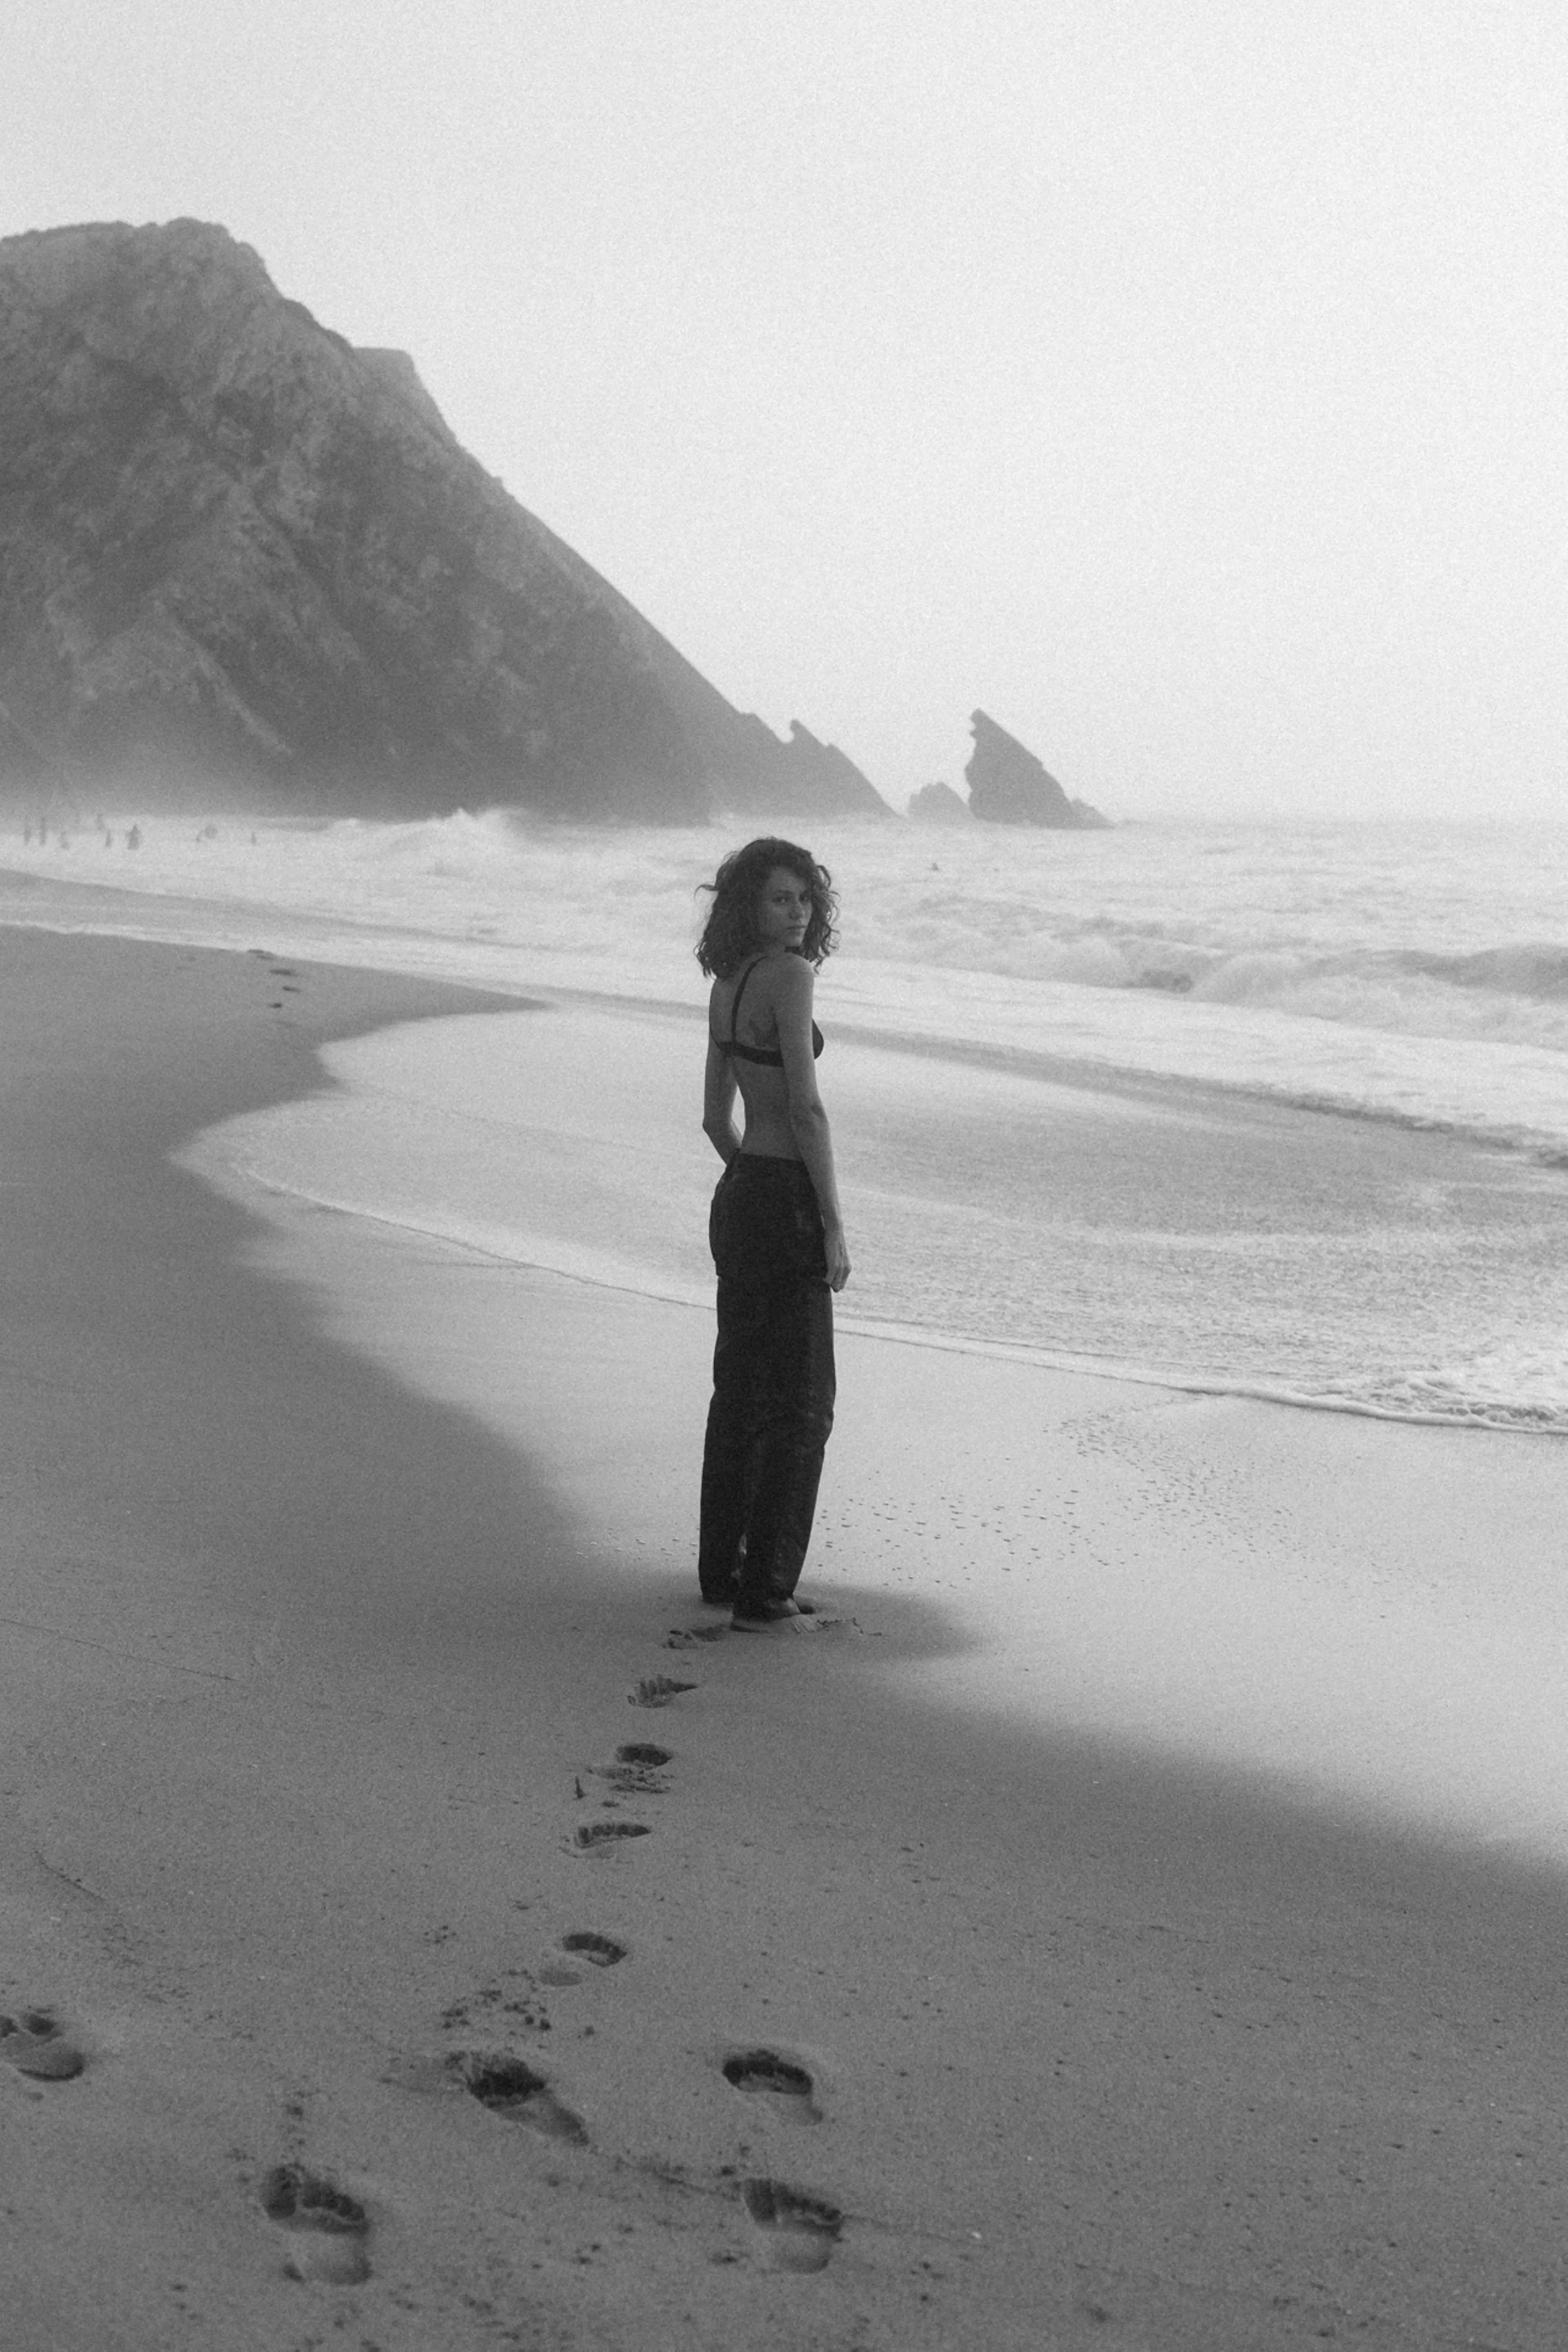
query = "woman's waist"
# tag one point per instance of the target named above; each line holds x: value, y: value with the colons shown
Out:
x: 769, y: 1167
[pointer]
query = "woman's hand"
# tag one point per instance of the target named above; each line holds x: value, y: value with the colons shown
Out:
x: 837, y: 1256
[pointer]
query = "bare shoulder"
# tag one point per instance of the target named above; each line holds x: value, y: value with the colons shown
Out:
x: 792, y: 981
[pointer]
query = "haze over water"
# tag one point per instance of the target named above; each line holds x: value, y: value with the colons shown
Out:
x: 1265, y: 1107
x: 1181, y: 384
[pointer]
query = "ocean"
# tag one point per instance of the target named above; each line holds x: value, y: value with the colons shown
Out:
x: 1279, y: 1110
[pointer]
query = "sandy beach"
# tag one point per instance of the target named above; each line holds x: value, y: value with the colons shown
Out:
x: 442, y: 1979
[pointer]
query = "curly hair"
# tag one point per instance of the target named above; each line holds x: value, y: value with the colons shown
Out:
x: 730, y: 934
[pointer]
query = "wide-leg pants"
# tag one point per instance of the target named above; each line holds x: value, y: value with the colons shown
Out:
x: 774, y: 1382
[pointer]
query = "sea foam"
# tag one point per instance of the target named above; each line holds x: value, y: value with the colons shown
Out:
x: 1416, y: 971
x: 1407, y: 980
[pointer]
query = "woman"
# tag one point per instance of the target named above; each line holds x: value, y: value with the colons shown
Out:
x: 776, y: 1229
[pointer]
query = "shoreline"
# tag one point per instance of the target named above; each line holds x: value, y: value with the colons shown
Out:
x: 1106, y: 2046
x: 1295, y: 1598
x: 1015, y: 1224
x: 1349, y: 1318
x: 972, y: 1044
x: 900, y: 1335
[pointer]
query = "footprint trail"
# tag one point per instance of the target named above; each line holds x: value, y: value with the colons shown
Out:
x: 328, y: 2228
x: 35, y: 2045
x: 798, y: 2231
x: 601, y: 1950
x: 765, y: 2071
x: 658, y: 1690
x: 511, y: 2090
x: 603, y: 1837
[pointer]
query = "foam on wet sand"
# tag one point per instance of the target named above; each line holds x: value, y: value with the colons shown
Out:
x: 1146, y: 1990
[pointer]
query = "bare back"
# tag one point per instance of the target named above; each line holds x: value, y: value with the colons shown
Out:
x: 774, y: 1016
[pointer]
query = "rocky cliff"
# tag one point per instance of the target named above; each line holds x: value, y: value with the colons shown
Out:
x: 1007, y: 785
x: 240, y: 558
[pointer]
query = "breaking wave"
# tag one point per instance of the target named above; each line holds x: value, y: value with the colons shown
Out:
x: 1406, y: 977
x: 1226, y: 954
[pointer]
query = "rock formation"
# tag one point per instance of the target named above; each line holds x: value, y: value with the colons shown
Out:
x: 1007, y: 785
x: 240, y: 558
x: 824, y: 782
x: 940, y: 805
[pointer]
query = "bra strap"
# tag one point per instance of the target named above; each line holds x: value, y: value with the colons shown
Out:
x: 735, y: 1000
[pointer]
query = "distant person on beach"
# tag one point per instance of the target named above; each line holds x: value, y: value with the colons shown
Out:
x: 776, y: 1230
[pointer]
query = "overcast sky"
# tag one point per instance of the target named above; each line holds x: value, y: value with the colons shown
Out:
x: 1182, y: 381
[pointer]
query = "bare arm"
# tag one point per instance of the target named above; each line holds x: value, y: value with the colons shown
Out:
x: 719, y: 1105
x: 809, y: 1120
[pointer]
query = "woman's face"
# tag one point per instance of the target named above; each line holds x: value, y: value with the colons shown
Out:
x: 784, y: 908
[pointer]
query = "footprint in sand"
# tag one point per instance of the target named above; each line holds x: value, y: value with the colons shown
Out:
x: 601, y: 1950
x: 658, y: 1690
x: 636, y: 1770
x: 513, y: 2091
x: 35, y: 2045
x: 689, y: 1637
x: 630, y: 1780
x: 603, y: 1837
x: 775, y: 2077
x: 798, y: 2231
x: 328, y: 2228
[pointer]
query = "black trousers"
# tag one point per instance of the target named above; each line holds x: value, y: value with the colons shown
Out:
x: 774, y: 1382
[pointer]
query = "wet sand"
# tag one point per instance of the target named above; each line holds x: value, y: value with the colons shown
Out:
x: 905, y: 2020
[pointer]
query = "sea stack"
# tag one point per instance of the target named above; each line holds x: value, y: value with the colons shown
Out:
x: 940, y: 805
x: 242, y: 561
x: 1007, y: 785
